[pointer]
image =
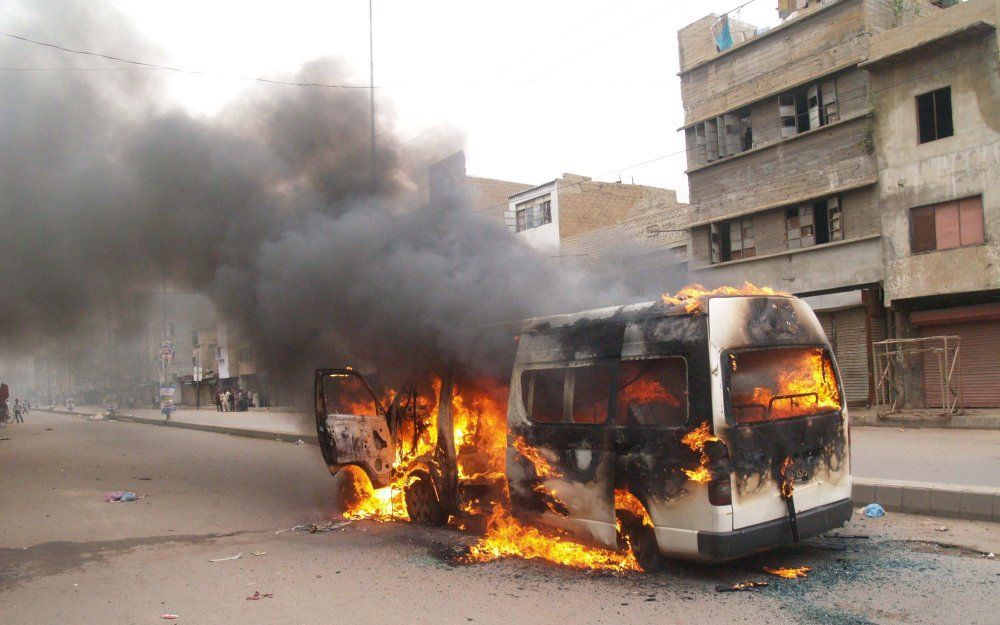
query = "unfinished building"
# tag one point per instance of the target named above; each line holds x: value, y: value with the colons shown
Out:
x: 785, y: 173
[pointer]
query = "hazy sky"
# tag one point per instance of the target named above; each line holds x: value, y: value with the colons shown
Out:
x: 537, y: 88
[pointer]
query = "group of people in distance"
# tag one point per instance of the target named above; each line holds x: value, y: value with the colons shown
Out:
x: 18, y: 411
x: 235, y: 400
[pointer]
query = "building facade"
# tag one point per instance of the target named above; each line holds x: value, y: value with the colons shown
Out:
x: 798, y: 138
x: 935, y: 86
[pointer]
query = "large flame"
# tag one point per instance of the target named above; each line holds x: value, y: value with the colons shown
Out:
x: 692, y: 297
x: 787, y: 479
x: 696, y: 440
x: 801, y: 381
x: 507, y: 537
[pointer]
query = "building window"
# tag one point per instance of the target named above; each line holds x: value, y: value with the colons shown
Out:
x: 946, y: 226
x: 808, y: 107
x: 814, y: 223
x: 934, y: 115
x: 723, y: 136
x: 732, y: 240
x: 534, y: 213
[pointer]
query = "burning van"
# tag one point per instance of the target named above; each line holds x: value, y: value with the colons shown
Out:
x: 708, y: 426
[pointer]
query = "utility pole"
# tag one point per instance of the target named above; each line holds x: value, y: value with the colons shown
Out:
x: 371, y: 92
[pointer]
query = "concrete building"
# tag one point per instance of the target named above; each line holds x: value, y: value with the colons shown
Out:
x: 805, y: 160
x: 615, y: 215
x: 935, y: 86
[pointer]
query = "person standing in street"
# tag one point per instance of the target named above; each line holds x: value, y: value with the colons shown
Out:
x: 18, y: 412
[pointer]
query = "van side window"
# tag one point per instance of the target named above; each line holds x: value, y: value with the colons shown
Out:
x: 591, y: 393
x: 542, y: 391
x: 653, y: 392
x: 584, y: 391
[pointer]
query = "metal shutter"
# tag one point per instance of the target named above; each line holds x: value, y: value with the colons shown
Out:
x: 978, y: 357
x: 846, y: 331
x: 852, y: 353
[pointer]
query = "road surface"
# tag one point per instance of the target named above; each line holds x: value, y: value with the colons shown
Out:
x: 66, y: 556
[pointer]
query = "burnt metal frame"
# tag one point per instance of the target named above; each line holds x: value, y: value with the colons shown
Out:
x: 887, y: 357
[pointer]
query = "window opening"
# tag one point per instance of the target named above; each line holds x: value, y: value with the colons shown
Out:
x: 653, y: 392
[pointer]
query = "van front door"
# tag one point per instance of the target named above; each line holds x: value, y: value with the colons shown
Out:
x: 560, y: 465
x: 352, y: 426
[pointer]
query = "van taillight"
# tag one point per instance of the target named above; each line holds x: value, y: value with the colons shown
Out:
x: 720, y: 492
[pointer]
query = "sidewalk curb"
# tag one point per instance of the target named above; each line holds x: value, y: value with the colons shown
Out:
x: 954, y: 501
x: 956, y: 422
x: 218, y: 429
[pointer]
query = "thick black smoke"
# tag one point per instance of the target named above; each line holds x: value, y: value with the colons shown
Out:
x: 107, y: 190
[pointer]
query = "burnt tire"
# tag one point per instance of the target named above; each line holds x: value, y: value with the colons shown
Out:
x: 422, y: 503
x: 641, y: 540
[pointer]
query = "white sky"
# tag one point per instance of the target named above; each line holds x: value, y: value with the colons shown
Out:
x: 537, y: 88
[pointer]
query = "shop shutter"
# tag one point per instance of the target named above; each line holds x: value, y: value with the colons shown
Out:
x: 846, y: 331
x: 979, y: 359
x: 852, y: 353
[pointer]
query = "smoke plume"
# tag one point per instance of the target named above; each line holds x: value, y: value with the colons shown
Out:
x: 266, y: 207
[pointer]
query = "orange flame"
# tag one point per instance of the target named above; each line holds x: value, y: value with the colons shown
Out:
x: 803, y: 384
x: 787, y: 481
x: 696, y: 440
x: 506, y: 537
x: 624, y: 500
x: 647, y: 391
x: 480, y: 422
x: 691, y: 297
x: 802, y: 571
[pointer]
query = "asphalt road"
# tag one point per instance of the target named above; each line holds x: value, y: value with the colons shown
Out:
x: 66, y: 556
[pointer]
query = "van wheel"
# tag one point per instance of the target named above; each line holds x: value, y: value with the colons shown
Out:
x: 422, y: 503
x: 641, y: 540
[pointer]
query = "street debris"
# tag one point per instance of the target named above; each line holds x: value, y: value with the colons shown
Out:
x: 300, y: 442
x: 316, y: 528
x: 991, y: 555
x: 873, y: 511
x: 170, y: 617
x: 941, y: 529
x: 789, y: 573
x: 121, y: 495
x: 236, y: 557
x: 742, y: 587
x: 258, y: 553
x: 258, y: 595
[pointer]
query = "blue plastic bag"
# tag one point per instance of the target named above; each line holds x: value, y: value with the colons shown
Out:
x: 873, y: 510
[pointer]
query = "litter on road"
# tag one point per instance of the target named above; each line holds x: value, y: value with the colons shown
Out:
x: 258, y: 595
x: 873, y: 511
x: 236, y: 557
x: 316, y: 528
x: 170, y: 617
x: 120, y: 495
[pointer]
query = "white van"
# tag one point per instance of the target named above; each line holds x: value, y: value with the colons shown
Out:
x: 726, y: 423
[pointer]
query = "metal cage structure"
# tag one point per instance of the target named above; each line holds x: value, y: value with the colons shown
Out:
x: 891, y: 356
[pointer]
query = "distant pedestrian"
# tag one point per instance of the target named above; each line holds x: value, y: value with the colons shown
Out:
x: 18, y: 412
x: 218, y: 401
x: 232, y: 401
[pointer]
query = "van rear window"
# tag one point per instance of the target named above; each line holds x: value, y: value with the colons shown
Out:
x: 783, y: 383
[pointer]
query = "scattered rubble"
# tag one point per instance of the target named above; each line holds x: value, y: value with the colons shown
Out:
x: 750, y: 586
x: 258, y: 595
x: 121, y: 495
x: 317, y: 528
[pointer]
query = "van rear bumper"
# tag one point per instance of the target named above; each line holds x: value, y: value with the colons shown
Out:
x: 717, y: 546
